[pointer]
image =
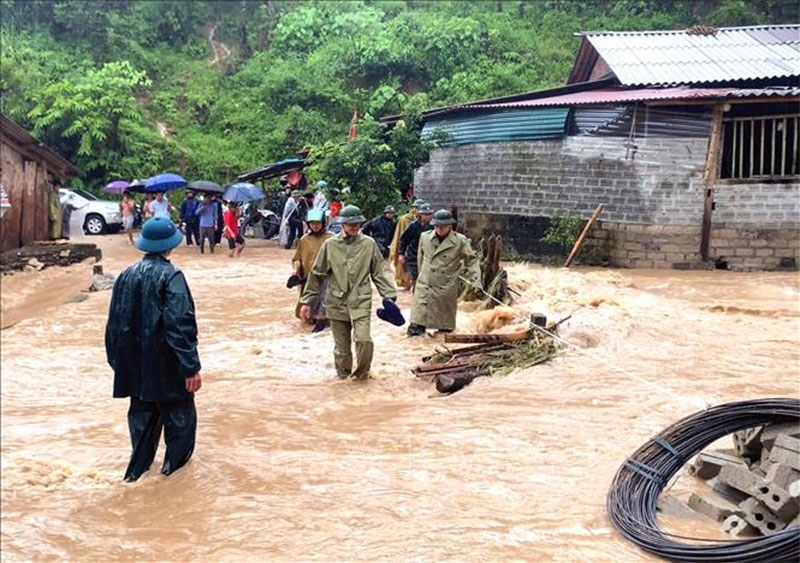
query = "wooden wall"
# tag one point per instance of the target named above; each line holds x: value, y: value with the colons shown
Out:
x: 26, y: 180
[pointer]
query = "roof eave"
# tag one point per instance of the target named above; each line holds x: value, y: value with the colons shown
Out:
x: 12, y: 129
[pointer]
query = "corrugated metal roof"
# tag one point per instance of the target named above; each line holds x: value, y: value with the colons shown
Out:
x: 684, y: 57
x: 649, y: 122
x: 508, y: 125
x: 613, y: 96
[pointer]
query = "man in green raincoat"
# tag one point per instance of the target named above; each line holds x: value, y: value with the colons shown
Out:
x: 443, y: 256
x: 349, y: 260
x: 54, y: 211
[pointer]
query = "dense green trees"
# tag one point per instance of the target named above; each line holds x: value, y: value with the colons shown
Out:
x: 127, y: 88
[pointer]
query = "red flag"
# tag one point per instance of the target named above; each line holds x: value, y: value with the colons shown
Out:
x: 353, y: 126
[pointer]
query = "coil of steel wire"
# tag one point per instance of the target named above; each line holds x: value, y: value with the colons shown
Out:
x: 634, y: 492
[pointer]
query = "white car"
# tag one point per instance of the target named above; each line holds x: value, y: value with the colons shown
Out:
x: 94, y: 215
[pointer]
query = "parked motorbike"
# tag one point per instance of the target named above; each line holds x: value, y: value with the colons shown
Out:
x: 261, y: 223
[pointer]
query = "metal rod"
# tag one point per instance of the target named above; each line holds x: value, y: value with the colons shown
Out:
x: 741, y: 148
x: 783, y: 148
x: 761, y: 160
x: 795, y: 148
x: 772, y: 155
x: 733, y: 153
x: 752, y: 133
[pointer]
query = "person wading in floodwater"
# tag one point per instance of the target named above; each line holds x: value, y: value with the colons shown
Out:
x: 348, y: 261
x: 444, y: 256
x: 151, y: 344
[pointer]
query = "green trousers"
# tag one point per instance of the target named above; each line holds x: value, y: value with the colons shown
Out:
x: 342, y: 352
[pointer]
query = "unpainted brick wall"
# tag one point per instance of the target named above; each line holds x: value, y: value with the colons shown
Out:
x: 652, y: 190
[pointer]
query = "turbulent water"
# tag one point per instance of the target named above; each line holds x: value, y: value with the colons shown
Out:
x: 292, y: 464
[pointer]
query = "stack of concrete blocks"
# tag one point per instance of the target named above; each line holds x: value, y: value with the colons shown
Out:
x: 755, y: 488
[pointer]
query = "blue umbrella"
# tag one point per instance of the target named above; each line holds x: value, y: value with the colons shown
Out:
x: 164, y: 183
x: 242, y: 192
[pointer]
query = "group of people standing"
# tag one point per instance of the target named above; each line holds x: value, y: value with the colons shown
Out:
x: 334, y: 272
x: 59, y: 214
x: 153, y: 349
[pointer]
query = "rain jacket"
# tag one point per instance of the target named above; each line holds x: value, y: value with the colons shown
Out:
x: 304, y: 256
x: 151, y: 335
x: 440, y: 265
x: 382, y: 230
x: 283, y: 234
x: 54, y: 214
x: 402, y: 225
x: 349, y: 263
x: 410, y: 240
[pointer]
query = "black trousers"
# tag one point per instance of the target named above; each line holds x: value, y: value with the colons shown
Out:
x: 145, y: 421
x: 295, y: 232
x: 192, y: 231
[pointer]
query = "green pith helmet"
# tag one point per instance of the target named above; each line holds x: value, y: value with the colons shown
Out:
x: 350, y: 215
x: 389, y: 209
x: 442, y: 217
x: 418, y: 202
x: 296, y: 193
x: 425, y: 209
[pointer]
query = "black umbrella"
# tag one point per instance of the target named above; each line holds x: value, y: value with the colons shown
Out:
x: 272, y: 170
x: 206, y: 186
x: 137, y: 186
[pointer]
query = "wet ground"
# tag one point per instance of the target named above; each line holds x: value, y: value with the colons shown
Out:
x: 292, y: 464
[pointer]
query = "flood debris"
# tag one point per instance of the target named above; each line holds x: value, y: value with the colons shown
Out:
x: 101, y: 281
x: 755, y: 487
x: 491, y: 354
x: 494, y: 279
x: 38, y: 256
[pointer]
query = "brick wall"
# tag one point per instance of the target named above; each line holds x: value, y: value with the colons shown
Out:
x: 652, y: 191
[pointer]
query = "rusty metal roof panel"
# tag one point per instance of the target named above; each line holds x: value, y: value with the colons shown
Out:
x: 686, y: 57
x: 614, y: 96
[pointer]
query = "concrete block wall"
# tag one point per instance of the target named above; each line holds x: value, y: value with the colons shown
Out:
x: 652, y: 191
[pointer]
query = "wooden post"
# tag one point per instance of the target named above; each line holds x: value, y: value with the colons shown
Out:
x: 585, y: 232
x: 709, y: 177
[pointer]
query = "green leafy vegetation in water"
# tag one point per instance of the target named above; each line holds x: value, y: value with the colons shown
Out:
x: 210, y: 89
x: 563, y: 231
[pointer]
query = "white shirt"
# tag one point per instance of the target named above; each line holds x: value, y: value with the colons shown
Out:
x: 159, y: 209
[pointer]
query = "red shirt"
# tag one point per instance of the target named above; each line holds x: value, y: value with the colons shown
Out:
x: 231, y: 222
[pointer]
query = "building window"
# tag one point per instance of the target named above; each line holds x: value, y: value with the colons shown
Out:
x: 761, y: 148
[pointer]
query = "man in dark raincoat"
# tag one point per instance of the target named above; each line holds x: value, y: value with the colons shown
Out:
x: 409, y: 242
x: 444, y: 256
x: 349, y: 261
x: 382, y: 229
x: 151, y: 344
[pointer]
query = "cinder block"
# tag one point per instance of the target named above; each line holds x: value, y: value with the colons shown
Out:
x: 727, y: 492
x: 741, y: 479
x: 787, y: 442
x: 784, y: 457
x: 707, y: 464
x: 779, y: 501
x: 668, y: 504
x: 781, y: 475
x: 738, y: 526
x: 715, y: 508
x: 756, y: 514
x: 747, y: 442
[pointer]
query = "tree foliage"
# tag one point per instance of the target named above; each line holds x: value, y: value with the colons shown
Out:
x: 126, y: 87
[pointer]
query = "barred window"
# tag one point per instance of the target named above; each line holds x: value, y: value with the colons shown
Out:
x: 763, y: 148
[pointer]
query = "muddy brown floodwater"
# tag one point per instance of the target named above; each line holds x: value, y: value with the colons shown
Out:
x: 292, y: 464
